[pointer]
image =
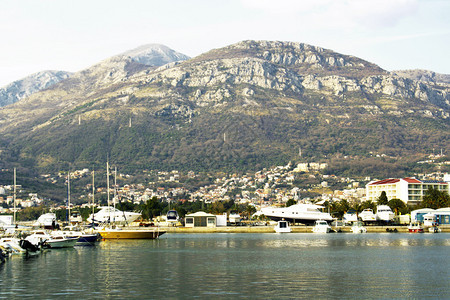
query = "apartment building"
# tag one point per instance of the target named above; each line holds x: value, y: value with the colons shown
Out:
x: 410, y: 190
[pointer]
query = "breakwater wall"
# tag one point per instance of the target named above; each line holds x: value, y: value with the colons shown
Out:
x: 270, y: 229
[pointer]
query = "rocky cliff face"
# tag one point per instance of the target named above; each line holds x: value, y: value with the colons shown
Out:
x: 23, y: 88
x: 290, y: 68
x: 250, y: 104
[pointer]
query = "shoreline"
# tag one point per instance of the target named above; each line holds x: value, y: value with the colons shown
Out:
x: 295, y: 229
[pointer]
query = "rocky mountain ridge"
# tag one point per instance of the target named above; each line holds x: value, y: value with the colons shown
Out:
x: 23, y: 88
x: 248, y: 105
x: 108, y: 71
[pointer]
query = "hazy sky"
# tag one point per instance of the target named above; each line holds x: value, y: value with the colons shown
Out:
x: 71, y: 35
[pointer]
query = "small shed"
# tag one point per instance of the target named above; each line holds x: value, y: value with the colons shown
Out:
x: 200, y: 219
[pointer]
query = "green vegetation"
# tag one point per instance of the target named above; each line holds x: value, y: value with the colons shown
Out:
x: 435, y: 199
x: 383, y: 199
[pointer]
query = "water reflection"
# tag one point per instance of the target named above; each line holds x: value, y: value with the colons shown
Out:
x: 239, y: 265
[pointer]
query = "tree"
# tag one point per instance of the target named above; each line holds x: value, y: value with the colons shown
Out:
x: 368, y: 204
x: 290, y: 202
x: 397, y: 205
x: 152, y: 208
x: 383, y: 199
x: 217, y: 208
x: 435, y: 199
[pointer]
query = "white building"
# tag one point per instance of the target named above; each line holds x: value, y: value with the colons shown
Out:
x: 409, y: 190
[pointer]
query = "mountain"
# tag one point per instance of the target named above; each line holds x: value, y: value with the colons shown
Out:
x: 23, y: 88
x: 246, y: 106
x: 424, y: 75
x: 155, y: 55
x: 149, y: 55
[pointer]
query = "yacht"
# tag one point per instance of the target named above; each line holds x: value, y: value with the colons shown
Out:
x: 367, y: 215
x: 42, y: 238
x: 384, y: 213
x: 301, y: 213
x: 282, y: 227
x: 47, y: 221
x: 234, y: 217
x: 321, y: 226
x: 172, y: 216
x: 109, y: 214
x: 350, y: 217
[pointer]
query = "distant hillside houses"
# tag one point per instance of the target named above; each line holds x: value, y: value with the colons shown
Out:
x: 310, y: 167
x: 410, y: 190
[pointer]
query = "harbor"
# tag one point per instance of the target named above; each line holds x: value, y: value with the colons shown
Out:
x: 238, y: 265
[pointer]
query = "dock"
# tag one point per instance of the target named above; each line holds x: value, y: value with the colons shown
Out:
x: 295, y: 229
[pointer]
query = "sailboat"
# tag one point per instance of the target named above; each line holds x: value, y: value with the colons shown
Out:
x: 114, y: 216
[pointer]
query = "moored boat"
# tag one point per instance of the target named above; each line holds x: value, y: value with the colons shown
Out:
x: 282, y: 227
x: 109, y: 214
x: 301, y: 213
x: 434, y: 229
x: 367, y: 215
x: 321, y: 226
x: 82, y: 238
x: 41, y: 238
x: 384, y: 213
x: 350, y: 216
x: 358, y: 227
x: 120, y: 233
x: 11, y: 245
x: 60, y: 242
x: 415, y: 227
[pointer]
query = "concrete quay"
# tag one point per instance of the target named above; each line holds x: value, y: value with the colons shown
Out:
x: 270, y: 229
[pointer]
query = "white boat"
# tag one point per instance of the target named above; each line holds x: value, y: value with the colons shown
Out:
x: 367, y: 215
x: 282, y: 227
x: 415, y: 227
x: 82, y: 238
x: 384, y: 213
x: 42, y: 238
x: 47, y: 221
x: 350, y: 217
x: 321, y: 226
x: 109, y: 214
x: 11, y: 245
x: 172, y: 217
x: 61, y: 242
x: 234, y: 217
x: 301, y: 213
x: 358, y: 227
x: 434, y: 229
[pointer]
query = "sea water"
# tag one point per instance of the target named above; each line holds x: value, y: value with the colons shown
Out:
x: 262, y: 266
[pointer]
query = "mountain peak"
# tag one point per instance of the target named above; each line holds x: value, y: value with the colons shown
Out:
x: 154, y: 55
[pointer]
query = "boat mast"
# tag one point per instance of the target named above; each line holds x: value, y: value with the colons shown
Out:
x: 107, y: 189
x: 107, y: 181
x: 115, y: 192
x: 93, y: 193
x: 115, y: 186
x: 68, y: 196
x: 14, y: 196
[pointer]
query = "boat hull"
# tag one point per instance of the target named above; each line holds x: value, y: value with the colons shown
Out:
x: 130, y: 234
x: 87, y: 239
x: 63, y: 243
x: 415, y: 230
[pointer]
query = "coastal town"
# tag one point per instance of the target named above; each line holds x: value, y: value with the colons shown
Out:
x: 302, y: 183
